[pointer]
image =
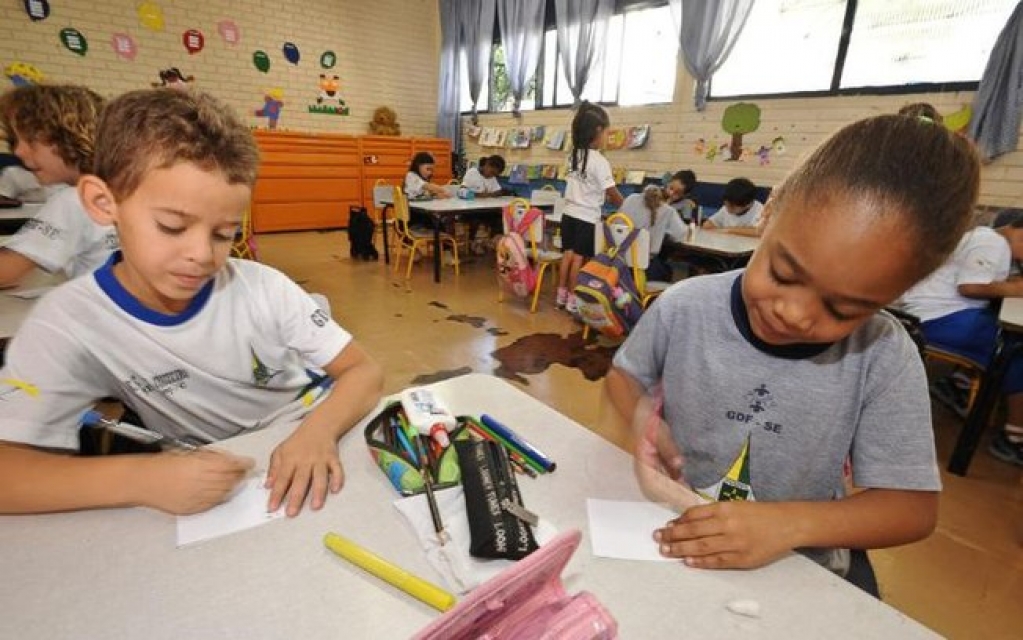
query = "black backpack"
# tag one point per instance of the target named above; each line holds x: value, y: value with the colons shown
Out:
x: 360, y: 235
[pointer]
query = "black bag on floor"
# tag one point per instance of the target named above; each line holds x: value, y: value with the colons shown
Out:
x: 360, y: 234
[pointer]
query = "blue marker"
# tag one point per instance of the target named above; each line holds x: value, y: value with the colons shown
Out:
x: 403, y: 440
x: 518, y: 442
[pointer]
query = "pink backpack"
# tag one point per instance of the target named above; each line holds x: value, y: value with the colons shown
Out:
x: 516, y: 273
x: 527, y: 600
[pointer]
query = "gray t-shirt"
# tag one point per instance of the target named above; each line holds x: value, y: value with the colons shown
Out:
x: 777, y: 424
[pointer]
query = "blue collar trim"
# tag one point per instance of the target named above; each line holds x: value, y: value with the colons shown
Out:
x: 108, y: 282
x: 740, y: 315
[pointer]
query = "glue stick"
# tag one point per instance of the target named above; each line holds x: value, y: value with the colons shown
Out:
x: 429, y: 416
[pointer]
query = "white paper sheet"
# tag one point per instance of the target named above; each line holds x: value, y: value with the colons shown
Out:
x: 625, y: 530
x: 246, y: 509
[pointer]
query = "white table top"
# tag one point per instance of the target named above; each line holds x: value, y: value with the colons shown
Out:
x: 28, y: 210
x: 14, y: 310
x: 1011, y: 315
x: 455, y: 205
x: 720, y: 242
x: 117, y: 574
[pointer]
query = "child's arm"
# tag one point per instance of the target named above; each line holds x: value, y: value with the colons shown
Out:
x: 13, y: 267
x: 436, y: 191
x: 1003, y: 289
x: 307, y: 462
x: 751, y: 232
x: 742, y: 535
x: 614, y: 196
x: 34, y: 481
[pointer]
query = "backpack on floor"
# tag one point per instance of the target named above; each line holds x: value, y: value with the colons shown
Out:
x: 516, y: 273
x: 360, y: 235
x: 606, y: 291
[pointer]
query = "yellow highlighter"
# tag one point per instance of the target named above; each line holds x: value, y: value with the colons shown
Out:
x: 415, y: 586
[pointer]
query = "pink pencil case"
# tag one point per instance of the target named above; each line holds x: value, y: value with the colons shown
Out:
x: 527, y: 601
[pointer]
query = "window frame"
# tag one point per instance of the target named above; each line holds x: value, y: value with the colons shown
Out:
x: 848, y: 23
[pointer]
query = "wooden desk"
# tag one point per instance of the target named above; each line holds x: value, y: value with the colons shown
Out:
x: 116, y: 573
x: 1007, y: 346
x: 729, y: 250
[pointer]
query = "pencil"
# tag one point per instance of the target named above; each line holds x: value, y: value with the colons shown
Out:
x: 431, y: 499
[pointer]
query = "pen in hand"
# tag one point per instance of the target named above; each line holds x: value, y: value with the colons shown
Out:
x: 133, y: 432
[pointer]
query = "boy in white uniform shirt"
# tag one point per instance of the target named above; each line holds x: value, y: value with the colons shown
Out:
x: 954, y: 307
x: 483, y: 181
x: 51, y: 128
x: 741, y: 211
x: 202, y: 347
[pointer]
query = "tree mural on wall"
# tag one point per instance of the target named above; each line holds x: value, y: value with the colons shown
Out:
x: 739, y: 119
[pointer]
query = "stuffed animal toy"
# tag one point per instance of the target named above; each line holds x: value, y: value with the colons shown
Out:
x: 385, y: 122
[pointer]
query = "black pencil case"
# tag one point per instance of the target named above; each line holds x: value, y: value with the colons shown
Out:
x: 493, y: 502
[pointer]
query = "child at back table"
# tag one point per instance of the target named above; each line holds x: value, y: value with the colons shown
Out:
x: 588, y: 183
x: 648, y: 210
x: 798, y: 370
x: 201, y: 346
x: 417, y: 180
x: 741, y: 210
x: 52, y: 128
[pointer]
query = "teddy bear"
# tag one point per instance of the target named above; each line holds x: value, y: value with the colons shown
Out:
x: 385, y: 122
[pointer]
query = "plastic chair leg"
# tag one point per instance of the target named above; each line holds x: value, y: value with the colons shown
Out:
x: 539, y: 285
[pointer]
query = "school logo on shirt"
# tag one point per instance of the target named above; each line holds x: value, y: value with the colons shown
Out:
x: 43, y: 228
x: 759, y: 404
x: 165, y: 383
x: 261, y: 374
x: 11, y: 386
x: 737, y: 484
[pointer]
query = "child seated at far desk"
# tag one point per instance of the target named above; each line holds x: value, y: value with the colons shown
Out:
x: 741, y: 211
x: 201, y: 346
x: 648, y: 210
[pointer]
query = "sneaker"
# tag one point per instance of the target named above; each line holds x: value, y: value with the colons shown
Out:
x: 561, y: 298
x: 949, y: 394
x: 1006, y: 450
x: 572, y: 305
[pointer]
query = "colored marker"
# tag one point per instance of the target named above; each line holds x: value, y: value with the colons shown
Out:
x: 529, y: 451
x: 133, y: 432
x: 481, y: 430
x: 365, y: 559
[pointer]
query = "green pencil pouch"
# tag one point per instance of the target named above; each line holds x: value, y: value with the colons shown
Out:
x: 395, y: 461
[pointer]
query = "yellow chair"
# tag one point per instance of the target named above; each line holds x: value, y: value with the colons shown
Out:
x: 972, y: 368
x: 244, y: 245
x: 541, y: 257
x: 414, y: 239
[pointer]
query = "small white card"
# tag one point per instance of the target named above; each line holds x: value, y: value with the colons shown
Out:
x: 625, y: 530
x: 245, y: 509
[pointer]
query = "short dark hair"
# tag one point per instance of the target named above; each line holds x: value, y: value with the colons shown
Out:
x: 740, y: 192
x: 419, y: 160
x: 687, y: 178
x: 1009, y: 218
x: 63, y: 115
x: 495, y: 161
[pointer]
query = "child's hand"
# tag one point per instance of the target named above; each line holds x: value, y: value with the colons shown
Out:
x: 658, y: 461
x: 185, y: 483
x: 305, y: 463
x: 727, y: 535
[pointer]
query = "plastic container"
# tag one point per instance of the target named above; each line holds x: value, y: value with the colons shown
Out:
x: 428, y: 414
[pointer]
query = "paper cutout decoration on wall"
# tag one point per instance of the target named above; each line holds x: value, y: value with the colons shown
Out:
x: 74, y: 41
x: 636, y: 137
x: 193, y: 41
x: 739, y: 119
x: 229, y: 31
x: 291, y: 52
x: 328, y: 59
x: 22, y: 74
x: 37, y: 9
x: 151, y: 16
x: 124, y: 46
x: 261, y: 61
x: 328, y: 100
x: 173, y: 78
x: 273, y: 103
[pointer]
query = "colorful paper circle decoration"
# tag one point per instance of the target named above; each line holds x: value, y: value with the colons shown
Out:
x: 229, y: 31
x: 37, y: 9
x: 328, y: 59
x: 74, y: 41
x: 151, y: 16
x: 291, y: 53
x: 124, y: 46
x: 22, y: 74
x: 261, y: 61
x: 193, y: 41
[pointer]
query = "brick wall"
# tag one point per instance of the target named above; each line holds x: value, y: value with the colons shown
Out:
x: 803, y: 123
x: 387, y: 52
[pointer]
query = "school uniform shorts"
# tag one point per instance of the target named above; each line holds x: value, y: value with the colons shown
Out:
x: 577, y: 236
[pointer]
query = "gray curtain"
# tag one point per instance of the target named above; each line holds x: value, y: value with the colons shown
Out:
x: 477, y: 39
x: 582, y: 37
x: 449, y: 98
x: 996, y: 107
x: 521, y: 24
x: 708, y: 30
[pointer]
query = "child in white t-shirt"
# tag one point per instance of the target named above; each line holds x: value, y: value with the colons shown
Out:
x: 648, y: 210
x: 202, y: 347
x: 52, y: 130
x: 482, y: 181
x: 741, y: 211
x: 588, y: 183
x: 417, y: 180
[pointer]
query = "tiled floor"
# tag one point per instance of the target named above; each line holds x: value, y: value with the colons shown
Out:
x: 965, y: 581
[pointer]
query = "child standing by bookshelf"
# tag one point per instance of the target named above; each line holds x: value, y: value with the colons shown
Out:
x: 588, y: 183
